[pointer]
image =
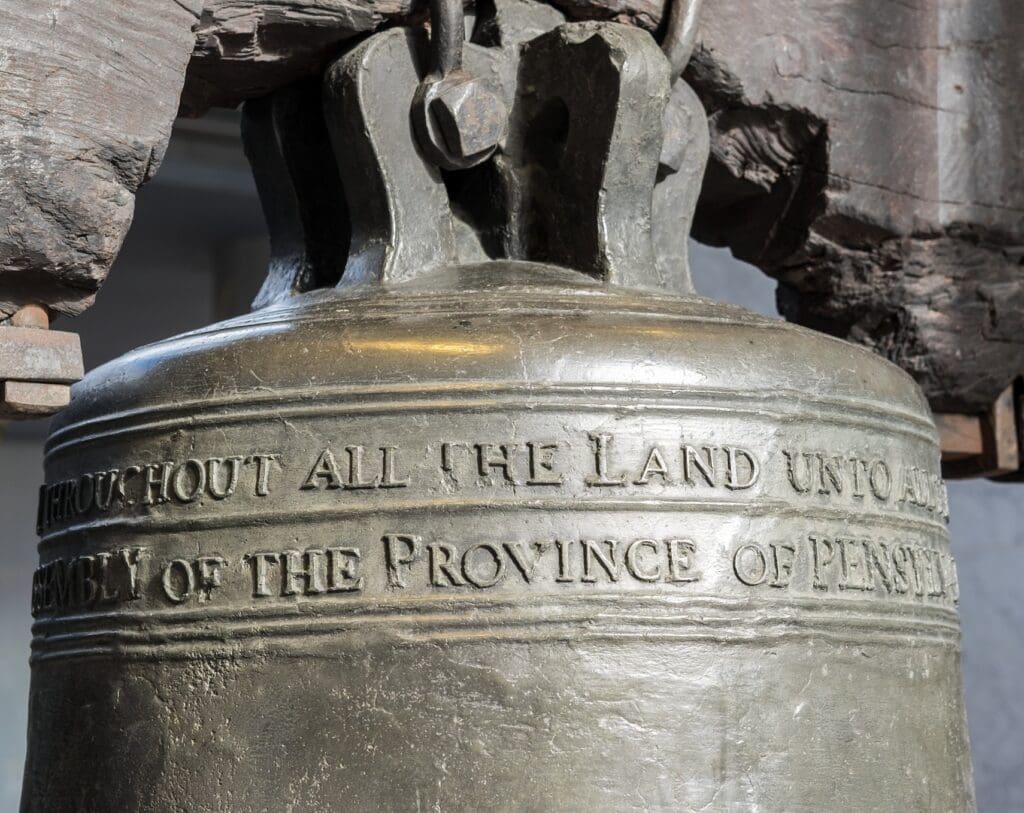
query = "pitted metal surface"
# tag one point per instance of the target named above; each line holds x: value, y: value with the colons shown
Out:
x: 501, y: 535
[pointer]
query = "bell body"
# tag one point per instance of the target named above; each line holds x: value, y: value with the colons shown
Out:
x: 499, y: 539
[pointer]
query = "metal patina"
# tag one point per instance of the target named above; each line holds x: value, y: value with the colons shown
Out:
x: 505, y: 519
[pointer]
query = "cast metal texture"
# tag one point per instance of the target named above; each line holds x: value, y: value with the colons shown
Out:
x: 500, y: 534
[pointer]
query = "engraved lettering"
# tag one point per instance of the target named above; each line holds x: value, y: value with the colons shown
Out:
x: 400, y: 551
x: 564, y: 562
x: 909, y: 491
x: 442, y: 558
x: 901, y: 576
x: 882, y: 568
x: 324, y: 473
x: 208, y: 575
x: 83, y: 580
x: 388, y: 477
x: 783, y: 559
x: 639, y: 571
x: 343, y: 570
x: 70, y: 494
x: 213, y: 466
x: 753, y: 566
x: 309, y: 572
x: 303, y: 572
x: 484, y: 571
x: 859, y: 469
x: 518, y: 557
x: 680, y: 560
x: 913, y: 557
x: 108, y: 592
x: 879, y: 562
x: 880, y: 480
x: 189, y: 480
x: 87, y: 580
x: 542, y: 464
x: 178, y: 580
x: 591, y: 553
x: 739, y: 476
x: 263, y: 462
x: 488, y: 459
x: 655, y: 466
x: 704, y: 466
x: 601, y: 444
x: 750, y: 565
x: 60, y: 585
x: 800, y: 484
x: 260, y: 565
x: 830, y: 475
x: 356, y: 480
x: 132, y: 558
x: 122, y: 483
x: 158, y: 477
x: 853, y: 569
x: 103, y: 502
x: 823, y: 553
x: 448, y: 460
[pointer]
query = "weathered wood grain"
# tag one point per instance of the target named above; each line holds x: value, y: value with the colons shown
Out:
x: 88, y: 92
x: 867, y: 154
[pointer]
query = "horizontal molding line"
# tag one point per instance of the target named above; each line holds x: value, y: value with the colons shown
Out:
x: 154, y: 524
x: 336, y: 400
x: 440, y: 306
x: 314, y: 647
x: 240, y: 634
x: 540, y: 603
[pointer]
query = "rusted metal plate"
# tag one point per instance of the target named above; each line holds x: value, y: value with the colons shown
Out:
x: 31, y: 399
x: 31, y: 354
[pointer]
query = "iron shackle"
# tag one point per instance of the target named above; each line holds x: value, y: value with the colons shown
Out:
x: 458, y: 120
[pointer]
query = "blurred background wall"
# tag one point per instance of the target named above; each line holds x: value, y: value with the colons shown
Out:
x: 196, y: 254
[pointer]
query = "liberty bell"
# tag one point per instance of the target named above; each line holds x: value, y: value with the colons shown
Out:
x: 482, y: 508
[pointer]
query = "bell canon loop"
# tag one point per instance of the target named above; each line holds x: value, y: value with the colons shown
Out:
x: 482, y: 508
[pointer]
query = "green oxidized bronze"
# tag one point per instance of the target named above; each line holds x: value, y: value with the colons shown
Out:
x: 462, y: 533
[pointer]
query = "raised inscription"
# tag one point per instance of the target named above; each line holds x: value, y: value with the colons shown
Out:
x: 149, y: 484
x: 311, y: 572
x: 871, y: 479
x: 585, y: 561
x: 849, y: 565
x: 355, y: 474
x: 409, y: 562
x: 87, y: 581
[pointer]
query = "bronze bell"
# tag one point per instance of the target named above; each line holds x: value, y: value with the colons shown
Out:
x: 507, y: 518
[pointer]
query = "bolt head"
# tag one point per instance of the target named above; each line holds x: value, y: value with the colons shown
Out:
x: 472, y: 119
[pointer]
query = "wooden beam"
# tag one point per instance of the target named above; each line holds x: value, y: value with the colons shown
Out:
x: 984, y: 445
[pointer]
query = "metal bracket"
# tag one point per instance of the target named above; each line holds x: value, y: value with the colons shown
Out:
x: 401, y: 221
x: 575, y: 179
x: 37, y: 365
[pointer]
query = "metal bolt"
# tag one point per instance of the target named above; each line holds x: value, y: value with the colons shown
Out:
x: 471, y: 118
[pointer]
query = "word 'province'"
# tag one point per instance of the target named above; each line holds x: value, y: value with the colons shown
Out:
x: 598, y: 463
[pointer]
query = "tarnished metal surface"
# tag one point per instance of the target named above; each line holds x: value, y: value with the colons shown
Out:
x: 498, y: 535
x: 459, y: 120
x: 34, y: 354
x: 512, y: 543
